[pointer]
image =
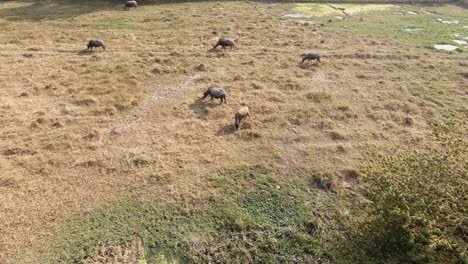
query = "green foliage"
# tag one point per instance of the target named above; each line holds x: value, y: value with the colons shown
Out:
x: 231, y: 216
x: 270, y: 208
x: 386, y: 238
x: 262, y: 220
x: 161, y: 228
x: 258, y: 218
x: 419, y: 200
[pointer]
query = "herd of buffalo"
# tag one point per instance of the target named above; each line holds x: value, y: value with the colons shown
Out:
x: 213, y: 92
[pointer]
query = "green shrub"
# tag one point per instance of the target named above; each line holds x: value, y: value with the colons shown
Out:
x: 418, y: 212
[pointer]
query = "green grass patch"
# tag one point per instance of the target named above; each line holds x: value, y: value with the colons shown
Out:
x: 257, y: 218
x: 418, y: 211
x: 161, y: 228
x: 265, y: 218
x: 327, y: 10
x: 395, y: 21
x: 316, y: 10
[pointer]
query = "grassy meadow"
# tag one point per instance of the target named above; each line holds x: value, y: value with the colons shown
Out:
x: 112, y: 157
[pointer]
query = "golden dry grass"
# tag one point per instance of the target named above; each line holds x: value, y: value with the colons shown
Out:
x: 79, y: 129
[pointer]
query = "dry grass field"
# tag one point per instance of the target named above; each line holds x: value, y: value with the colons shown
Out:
x: 88, y: 137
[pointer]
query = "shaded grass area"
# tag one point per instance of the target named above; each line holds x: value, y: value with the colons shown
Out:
x: 54, y: 9
x: 65, y: 9
x: 256, y: 219
x: 100, y: 15
x: 418, y: 212
x: 413, y: 24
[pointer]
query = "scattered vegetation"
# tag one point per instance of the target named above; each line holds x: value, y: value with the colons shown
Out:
x: 418, y: 212
x: 256, y: 219
x: 266, y: 219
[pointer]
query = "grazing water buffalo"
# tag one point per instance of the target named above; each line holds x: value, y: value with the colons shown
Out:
x: 130, y: 4
x: 223, y: 42
x: 215, y: 93
x: 241, y: 114
x: 95, y: 43
x: 311, y: 56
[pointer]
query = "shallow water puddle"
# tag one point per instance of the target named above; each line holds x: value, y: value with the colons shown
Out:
x: 413, y: 29
x: 446, y: 47
x: 461, y: 42
x: 448, y: 21
x: 296, y: 15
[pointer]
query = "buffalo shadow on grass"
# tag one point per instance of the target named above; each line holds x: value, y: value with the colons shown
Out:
x: 85, y: 52
x: 307, y: 65
x: 200, y: 107
x: 226, y: 130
